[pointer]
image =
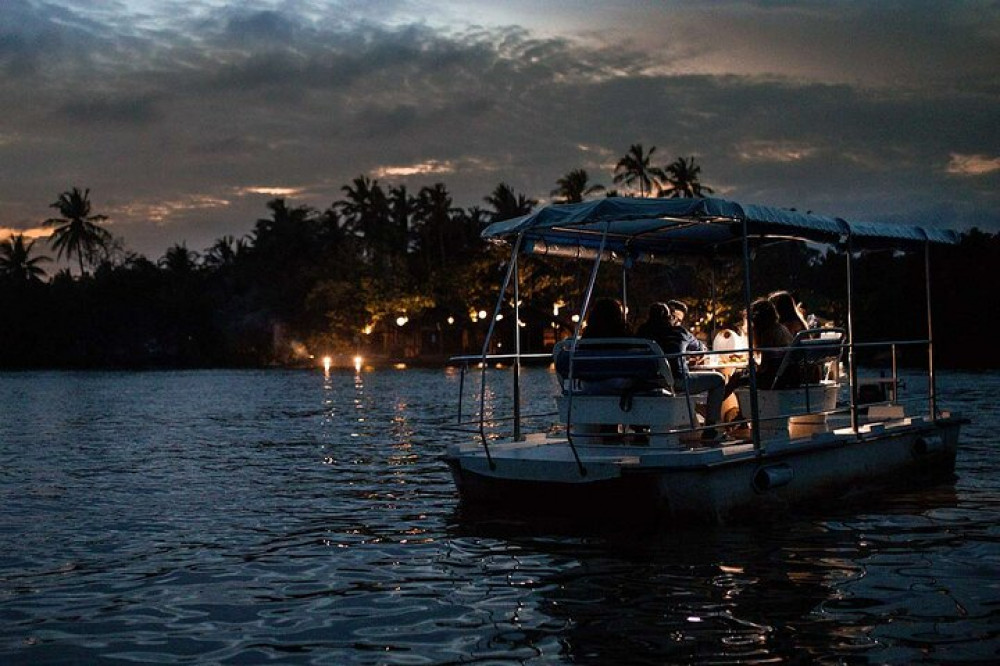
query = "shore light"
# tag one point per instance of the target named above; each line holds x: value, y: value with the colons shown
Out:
x: 401, y: 321
x: 575, y: 318
x: 482, y: 314
x: 499, y: 317
x: 451, y: 320
x: 358, y: 361
x: 327, y: 363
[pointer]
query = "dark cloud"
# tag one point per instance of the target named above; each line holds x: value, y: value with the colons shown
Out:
x: 123, y: 110
x: 268, y: 27
x: 170, y: 115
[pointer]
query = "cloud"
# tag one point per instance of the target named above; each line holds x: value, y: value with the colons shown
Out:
x: 166, y: 109
x: 126, y: 109
x: 432, y: 167
x: 972, y: 165
x: 30, y: 233
x: 774, y: 151
x: 270, y: 191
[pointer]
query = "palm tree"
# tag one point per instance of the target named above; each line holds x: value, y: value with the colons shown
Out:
x: 16, y: 262
x: 506, y: 204
x: 682, y: 180
x: 223, y: 252
x: 179, y: 260
x: 402, y: 207
x: 435, y: 214
x: 284, y: 221
x: 77, y: 231
x: 366, y: 210
x: 634, y: 168
x: 574, y: 186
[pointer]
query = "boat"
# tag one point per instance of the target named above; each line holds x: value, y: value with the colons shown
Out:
x: 639, y: 451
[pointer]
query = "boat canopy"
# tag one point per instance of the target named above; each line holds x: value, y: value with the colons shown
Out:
x: 650, y: 227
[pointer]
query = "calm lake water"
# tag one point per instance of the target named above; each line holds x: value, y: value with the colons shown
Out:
x: 284, y: 516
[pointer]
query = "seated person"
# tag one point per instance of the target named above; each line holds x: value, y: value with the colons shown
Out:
x: 789, y: 313
x: 606, y: 320
x: 768, y: 334
x: 678, y: 310
x: 675, y: 340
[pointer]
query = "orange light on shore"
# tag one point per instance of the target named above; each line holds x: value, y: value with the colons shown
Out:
x: 358, y: 362
x: 327, y: 362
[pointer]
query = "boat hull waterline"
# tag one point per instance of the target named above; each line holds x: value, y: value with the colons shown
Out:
x: 711, y: 485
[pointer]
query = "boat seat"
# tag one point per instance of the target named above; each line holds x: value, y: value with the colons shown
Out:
x: 810, y: 352
x: 618, y: 384
x: 804, y: 408
x: 612, y: 366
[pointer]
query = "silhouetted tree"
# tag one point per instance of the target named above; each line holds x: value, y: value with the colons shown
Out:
x: 435, y: 233
x: 635, y: 168
x: 223, y: 253
x: 366, y: 210
x: 506, y: 204
x: 16, y: 262
x: 179, y: 260
x: 682, y: 179
x: 77, y: 232
x: 574, y: 187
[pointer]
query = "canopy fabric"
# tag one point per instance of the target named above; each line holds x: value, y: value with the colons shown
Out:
x: 652, y: 226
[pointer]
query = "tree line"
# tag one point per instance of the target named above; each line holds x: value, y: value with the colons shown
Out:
x: 381, y: 271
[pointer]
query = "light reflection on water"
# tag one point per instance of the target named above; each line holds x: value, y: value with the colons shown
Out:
x: 303, y: 517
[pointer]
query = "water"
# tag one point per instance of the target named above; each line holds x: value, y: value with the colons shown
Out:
x: 248, y: 517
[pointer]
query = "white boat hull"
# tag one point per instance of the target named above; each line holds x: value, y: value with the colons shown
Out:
x: 702, y: 485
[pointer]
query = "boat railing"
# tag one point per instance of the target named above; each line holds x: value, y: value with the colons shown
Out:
x: 718, y: 360
x: 482, y: 362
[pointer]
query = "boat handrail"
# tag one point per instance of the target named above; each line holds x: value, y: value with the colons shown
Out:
x: 479, y: 358
x: 592, y: 355
x: 883, y: 343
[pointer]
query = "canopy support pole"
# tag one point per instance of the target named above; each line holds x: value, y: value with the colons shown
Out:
x: 511, y: 265
x: 711, y: 307
x: 931, y: 388
x: 852, y: 368
x: 572, y: 351
x: 751, y: 364
x: 625, y: 286
x: 517, y: 353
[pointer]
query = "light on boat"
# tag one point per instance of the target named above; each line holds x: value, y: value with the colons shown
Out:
x: 575, y: 318
x: 482, y: 314
x: 327, y: 362
x: 358, y: 361
x: 401, y: 321
x: 499, y: 317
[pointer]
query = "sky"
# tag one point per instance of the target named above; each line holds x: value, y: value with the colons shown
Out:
x: 184, y: 118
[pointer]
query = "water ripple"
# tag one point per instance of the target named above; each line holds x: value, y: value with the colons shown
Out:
x: 243, y: 517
